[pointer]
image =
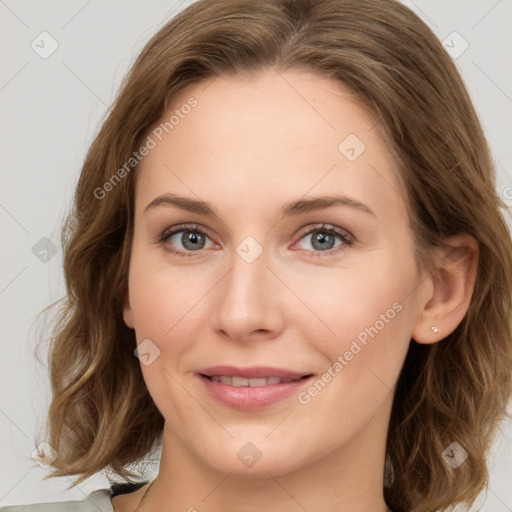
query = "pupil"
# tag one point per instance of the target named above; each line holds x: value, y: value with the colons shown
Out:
x: 193, y: 238
x: 322, y: 239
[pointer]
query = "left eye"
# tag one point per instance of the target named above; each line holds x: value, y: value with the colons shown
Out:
x: 323, y: 240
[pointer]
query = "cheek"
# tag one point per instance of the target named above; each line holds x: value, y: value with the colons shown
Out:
x: 366, y: 319
x: 352, y: 299
x: 160, y: 295
x: 370, y: 314
x: 162, y: 307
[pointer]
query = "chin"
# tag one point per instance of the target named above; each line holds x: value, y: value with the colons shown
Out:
x: 274, y: 463
x: 255, y: 456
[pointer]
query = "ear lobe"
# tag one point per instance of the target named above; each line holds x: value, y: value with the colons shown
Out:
x: 127, y: 313
x: 452, y: 282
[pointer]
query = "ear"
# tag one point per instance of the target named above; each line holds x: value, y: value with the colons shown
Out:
x: 451, y: 287
x: 127, y: 312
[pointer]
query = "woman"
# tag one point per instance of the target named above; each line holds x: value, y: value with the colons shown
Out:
x: 287, y: 264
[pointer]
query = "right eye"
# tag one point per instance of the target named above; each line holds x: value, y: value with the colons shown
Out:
x: 191, y: 237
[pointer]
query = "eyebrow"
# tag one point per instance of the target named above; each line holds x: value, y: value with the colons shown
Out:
x: 290, y: 208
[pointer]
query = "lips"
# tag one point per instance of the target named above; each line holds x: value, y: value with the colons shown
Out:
x: 251, y: 388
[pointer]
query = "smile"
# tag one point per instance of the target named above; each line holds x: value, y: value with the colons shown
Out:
x: 243, y: 381
x: 251, y: 389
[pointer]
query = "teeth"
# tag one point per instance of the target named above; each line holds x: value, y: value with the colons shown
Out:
x: 240, y: 381
x: 243, y: 381
x: 257, y: 382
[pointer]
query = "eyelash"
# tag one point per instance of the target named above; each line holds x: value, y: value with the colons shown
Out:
x: 344, y: 235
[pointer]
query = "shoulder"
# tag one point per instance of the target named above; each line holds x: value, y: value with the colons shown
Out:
x: 96, y: 501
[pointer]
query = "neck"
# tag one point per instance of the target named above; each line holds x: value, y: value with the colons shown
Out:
x: 349, y: 477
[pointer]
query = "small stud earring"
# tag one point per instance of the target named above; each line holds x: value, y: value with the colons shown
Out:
x: 435, y: 329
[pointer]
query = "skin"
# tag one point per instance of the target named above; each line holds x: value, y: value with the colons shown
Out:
x: 248, y: 147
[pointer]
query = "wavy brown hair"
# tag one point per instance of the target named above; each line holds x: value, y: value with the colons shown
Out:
x: 101, y: 415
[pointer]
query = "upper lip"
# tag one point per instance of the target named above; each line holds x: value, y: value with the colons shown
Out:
x: 252, y: 372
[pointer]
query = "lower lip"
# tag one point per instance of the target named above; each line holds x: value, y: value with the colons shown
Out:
x: 252, y: 398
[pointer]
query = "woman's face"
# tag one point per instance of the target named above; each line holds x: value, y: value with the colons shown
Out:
x: 300, y: 266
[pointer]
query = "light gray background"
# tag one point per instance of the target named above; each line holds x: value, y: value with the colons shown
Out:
x: 52, y: 107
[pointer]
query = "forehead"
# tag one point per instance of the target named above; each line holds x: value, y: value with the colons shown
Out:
x: 271, y: 135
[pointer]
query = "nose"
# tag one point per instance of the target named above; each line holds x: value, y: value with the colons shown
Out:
x: 249, y: 301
